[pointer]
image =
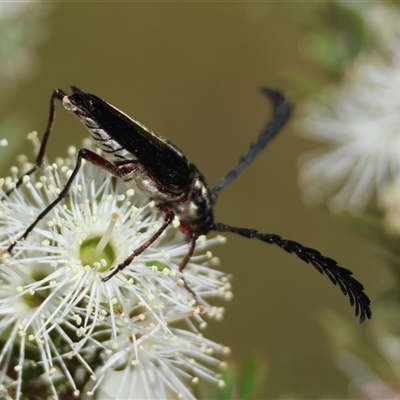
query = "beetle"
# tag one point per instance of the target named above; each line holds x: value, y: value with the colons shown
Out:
x: 155, y: 167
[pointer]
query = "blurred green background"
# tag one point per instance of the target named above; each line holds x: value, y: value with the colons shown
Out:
x: 191, y: 71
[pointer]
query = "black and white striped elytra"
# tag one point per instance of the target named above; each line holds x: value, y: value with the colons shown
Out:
x: 155, y: 167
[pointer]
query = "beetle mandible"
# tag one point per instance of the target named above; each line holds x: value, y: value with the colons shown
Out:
x: 155, y: 167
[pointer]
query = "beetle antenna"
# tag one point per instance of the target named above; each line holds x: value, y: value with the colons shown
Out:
x: 281, y: 113
x: 338, y: 275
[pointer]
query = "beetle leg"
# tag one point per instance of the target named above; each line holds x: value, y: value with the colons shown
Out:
x: 57, y: 94
x: 185, y: 260
x: 169, y: 216
x: 89, y: 156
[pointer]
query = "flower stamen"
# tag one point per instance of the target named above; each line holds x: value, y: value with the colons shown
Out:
x: 98, y: 252
x: 106, y: 237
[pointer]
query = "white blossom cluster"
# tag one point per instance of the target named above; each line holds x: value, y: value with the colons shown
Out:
x: 63, y: 331
x: 358, y: 121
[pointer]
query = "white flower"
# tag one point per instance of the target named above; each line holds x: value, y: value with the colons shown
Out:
x: 56, y: 311
x: 159, y: 366
x: 359, y: 122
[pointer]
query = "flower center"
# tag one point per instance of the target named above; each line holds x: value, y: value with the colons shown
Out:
x: 34, y: 298
x: 97, y: 251
x: 157, y: 264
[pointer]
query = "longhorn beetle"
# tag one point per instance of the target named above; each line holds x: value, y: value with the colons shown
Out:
x: 154, y: 166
